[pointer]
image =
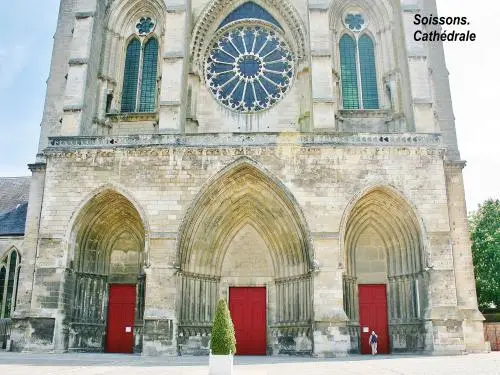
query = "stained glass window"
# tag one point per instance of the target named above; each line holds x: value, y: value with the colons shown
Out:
x: 145, y: 25
x: 148, y: 84
x: 9, y: 276
x: 354, y: 21
x: 250, y: 65
x: 139, y: 78
x: 368, y: 72
x: 249, y: 10
x: 359, y: 93
x: 131, y: 76
x: 349, y: 75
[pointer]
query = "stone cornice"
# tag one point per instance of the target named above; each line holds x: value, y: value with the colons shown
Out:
x: 231, y: 140
x: 459, y: 164
x: 37, y: 167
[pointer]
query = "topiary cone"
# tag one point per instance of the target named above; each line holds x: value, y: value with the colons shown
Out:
x: 223, y: 341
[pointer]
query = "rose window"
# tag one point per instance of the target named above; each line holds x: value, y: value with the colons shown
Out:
x: 249, y: 68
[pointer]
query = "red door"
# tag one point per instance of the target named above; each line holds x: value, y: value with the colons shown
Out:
x: 248, y: 311
x: 373, y: 317
x: 121, y: 314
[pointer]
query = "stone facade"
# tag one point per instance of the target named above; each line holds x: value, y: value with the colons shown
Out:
x: 305, y: 198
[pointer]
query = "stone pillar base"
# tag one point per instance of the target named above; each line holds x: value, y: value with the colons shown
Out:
x: 158, y: 338
x: 474, y: 332
x: 331, y: 340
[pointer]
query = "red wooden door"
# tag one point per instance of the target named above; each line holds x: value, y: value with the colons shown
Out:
x: 121, y: 314
x: 373, y: 317
x: 248, y: 311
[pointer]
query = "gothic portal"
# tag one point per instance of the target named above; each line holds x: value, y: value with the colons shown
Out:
x: 296, y: 158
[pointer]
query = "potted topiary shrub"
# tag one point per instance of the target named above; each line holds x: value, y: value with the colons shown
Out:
x: 222, y: 343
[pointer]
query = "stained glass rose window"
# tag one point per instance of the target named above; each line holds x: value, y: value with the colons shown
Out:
x: 249, y: 67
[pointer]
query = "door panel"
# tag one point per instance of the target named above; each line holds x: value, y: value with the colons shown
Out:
x: 373, y: 314
x: 248, y: 311
x: 121, y: 315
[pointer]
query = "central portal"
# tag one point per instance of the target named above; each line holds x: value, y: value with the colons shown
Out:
x: 248, y: 311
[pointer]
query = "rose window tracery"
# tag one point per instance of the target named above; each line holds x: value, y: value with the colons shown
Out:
x: 249, y: 67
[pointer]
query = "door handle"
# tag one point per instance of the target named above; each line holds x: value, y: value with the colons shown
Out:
x: 128, y: 329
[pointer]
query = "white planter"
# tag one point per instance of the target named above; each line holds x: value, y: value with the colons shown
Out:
x: 220, y: 364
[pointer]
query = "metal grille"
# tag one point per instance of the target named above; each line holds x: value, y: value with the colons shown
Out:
x: 368, y: 72
x: 348, y: 72
x: 149, y: 69
x: 130, y: 76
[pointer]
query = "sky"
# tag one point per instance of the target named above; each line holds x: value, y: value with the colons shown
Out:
x: 26, y: 49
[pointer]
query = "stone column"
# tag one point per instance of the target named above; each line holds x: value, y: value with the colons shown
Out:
x: 27, y: 328
x: 323, y: 112
x: 172, y: 105
x: 462, y: 259
x: 160, y: 318
x: 330, y: 332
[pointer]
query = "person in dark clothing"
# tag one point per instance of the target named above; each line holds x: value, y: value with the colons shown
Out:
x: 373, y: 342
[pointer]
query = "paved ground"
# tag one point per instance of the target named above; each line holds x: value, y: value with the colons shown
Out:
x: 107, y: 364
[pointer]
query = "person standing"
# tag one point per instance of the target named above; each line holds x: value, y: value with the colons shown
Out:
x: 373, y: 342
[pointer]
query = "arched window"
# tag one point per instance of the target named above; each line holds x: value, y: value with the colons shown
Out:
x: 139, y: 77
x: 9, y: 277
x: 250, y: 65
x: 357, y: 65
x: 349, y: 72
x: 368, y: 72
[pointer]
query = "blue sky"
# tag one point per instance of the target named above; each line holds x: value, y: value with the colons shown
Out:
x: 474, y: 76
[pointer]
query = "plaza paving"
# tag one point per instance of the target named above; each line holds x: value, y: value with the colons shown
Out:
x: 106, y: 364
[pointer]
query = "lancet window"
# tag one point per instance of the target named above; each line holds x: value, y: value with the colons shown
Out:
x: 140, y: 73
x: 9, y: 276
x: 357, y: 65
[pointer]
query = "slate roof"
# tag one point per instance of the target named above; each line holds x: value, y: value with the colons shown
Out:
x: 14, y: 192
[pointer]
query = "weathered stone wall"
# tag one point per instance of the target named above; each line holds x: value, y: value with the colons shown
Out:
x: 164, y: 183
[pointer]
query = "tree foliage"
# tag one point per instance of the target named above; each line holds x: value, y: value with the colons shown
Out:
x: 223, y: 340
x: 485, y: 235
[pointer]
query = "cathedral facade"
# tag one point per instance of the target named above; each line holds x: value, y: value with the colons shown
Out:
x: 297, y: 158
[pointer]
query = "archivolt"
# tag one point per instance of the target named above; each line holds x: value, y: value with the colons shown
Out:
x: 98, y: 225
x: 240, y: 195
x: 216, y: 10
x: 379, y: 13
x: 395, y: 223
x: 123, y: 14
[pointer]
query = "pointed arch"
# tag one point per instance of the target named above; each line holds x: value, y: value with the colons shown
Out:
x: 122, y: 15
x: 386, y: 208
x: 249, y: 10
x: 216, y: 11
x: 91, y: 208
x: 382, y: 242
x: 239, y: 194
x: 380, y: 13
x: 10, y: 265
x: 149, y: 72
x: 348, y: 71
x: 368, y: 72
x: 131, y: 75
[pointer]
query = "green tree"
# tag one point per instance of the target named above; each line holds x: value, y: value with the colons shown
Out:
x: 485, y: 235
x: 223, y: 340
